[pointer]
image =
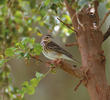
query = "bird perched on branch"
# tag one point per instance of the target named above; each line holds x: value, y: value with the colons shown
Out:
x: 53, y: 51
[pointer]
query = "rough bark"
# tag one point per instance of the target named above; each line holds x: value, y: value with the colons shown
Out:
x: 90, y: 39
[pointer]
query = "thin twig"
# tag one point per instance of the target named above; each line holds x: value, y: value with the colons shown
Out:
x: 71, y: 44
x: 80, y: 22
x: 107, y: 34
x: 36, y: 58
x: 72, y: 1
x: 65, y: 24
x: 69, y: 8
x: 78, y: 85
x: 104, y: 19
x: 48, y: 71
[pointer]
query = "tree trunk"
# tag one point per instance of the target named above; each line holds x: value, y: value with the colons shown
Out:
x: 90, y: 39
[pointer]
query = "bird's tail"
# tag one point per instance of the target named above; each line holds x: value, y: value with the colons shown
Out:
x: 76, y: 61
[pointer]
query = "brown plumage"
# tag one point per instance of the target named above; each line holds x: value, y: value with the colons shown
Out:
x: 53, y: 51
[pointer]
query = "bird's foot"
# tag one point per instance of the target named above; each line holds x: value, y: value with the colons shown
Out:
x: 57, y: 62
x: 54, y: 63
x: 50, y: 64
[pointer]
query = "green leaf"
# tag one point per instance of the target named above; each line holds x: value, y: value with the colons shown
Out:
x: 32, y: 3
x: 82, y: 2
x: 18, y: 52
x: 29, y: 87
x: 10, y: 51
x: 25, y: 84
x: 38, y: 18
x: 25, y: 40
x: 2, y: 61
x: 2, y: 1
x: 47, y: 2
x: 18, y: 14
x: 108, y: 5
x: 37, y: 49
x: 56, y: 1
x: 53, y: 71
x: 54, y: 7
x: 26, y: 43
x: 39, y: 76
x: 30, y: 90
x: 34, y: 82
x: 20, y: 45
x: 67, y: 17
x: 26, y: 54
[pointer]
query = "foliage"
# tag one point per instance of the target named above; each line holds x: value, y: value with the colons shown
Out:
x: 23, y: 49
x: 19, y: 20
x: 29, y: 87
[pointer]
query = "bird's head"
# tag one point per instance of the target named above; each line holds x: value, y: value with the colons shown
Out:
x: 47, y: 38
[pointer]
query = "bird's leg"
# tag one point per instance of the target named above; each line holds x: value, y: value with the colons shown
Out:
x: 71, y: 44
x: 50, y: 64
x: 57, y: 61
x: 54, y: 63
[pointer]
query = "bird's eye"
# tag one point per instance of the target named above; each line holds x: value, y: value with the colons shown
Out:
x: 47, y: 37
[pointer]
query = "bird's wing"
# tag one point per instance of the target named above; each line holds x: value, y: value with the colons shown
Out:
x: 55, y: 47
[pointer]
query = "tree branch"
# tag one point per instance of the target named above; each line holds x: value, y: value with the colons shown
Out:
x: 74, y: 72
x: 36, y: 58
x: 107, y: 34
x: 71, y: 44
x: 71, y: 70
x: 69, y: 8
x: 65, y: 24
x: 96, y: 4
x: 78, y: 85
x: 66, y: 67
x: 104, y: 19
x: 91, y: 55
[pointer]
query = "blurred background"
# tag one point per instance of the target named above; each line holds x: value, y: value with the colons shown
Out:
x: 35, y: 18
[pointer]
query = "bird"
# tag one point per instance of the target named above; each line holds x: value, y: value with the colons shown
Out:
x: 53, y: 51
